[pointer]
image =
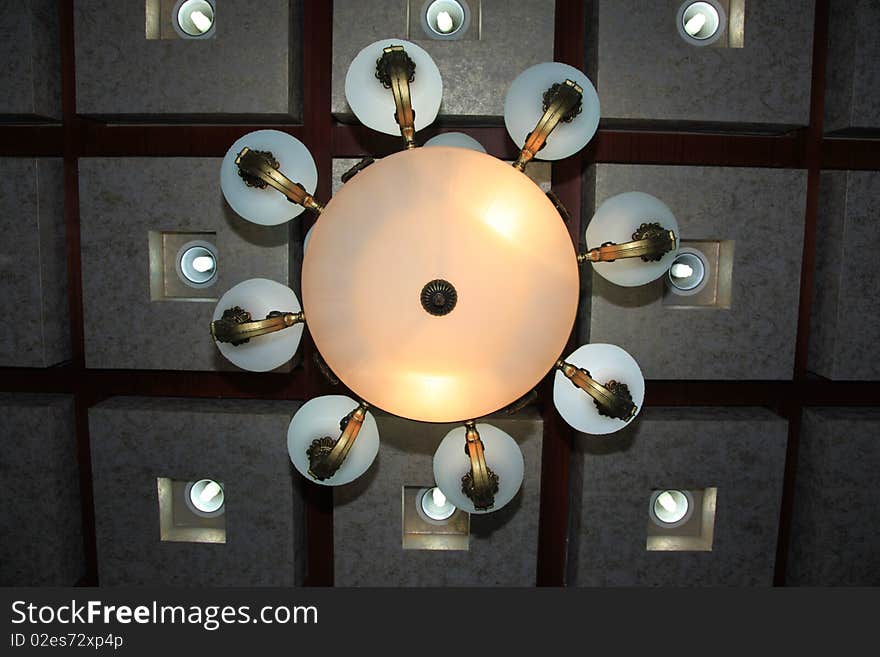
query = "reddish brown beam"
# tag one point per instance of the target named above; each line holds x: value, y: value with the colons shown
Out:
x: 123, y: 140
x: 640, y: 147
x: 31, y: 141
x: 813, y: 157
x: 859, y: 154
x: 557, y: 441
x: 317, y: 136
x: 360, y: 141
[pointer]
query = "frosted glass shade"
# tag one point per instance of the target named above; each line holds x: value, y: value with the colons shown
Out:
x: 457, y: 140
x: 260, y: 296
x: 503, y: 457
x: 440, y: 213
x: 320, y: 417
x: 268, y: 207
x: 307, y: 238
x: 604, y: 362
x: 523, y: 107
x: 373, y: 104
x: 615, y: 221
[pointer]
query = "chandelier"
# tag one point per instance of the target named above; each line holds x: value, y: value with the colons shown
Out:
x: 440, y: 283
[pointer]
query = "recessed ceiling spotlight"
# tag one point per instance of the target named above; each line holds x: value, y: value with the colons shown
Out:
x: 197, y: 264
x: 445, y: 19
x: 701, y: 23
x: 435, y: 505
x: 205, y: 498
x: 671, y: 508
x: 194, y: 19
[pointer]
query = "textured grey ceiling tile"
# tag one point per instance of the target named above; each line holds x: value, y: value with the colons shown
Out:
x: 740, y: 451
x: 845, y: 325
x: 41, y: 518
x: 33, y: 262
x: 240, y: 443
x: 367, y: 515
x: 251, y: 66
x: 30, y: 78
x: 762, y: 211
x: 476, y: 73
x: 646, y: 71
x: 852, y: 87
x: 836, y: 527
x: 116, y: 215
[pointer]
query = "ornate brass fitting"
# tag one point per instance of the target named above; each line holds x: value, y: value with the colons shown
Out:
x: 613, y: 399
x: 480, y: 484
x: 260, y: 169
x: 237, y: 327
x: 650, y: 243
x: 562, y: 102
x: 395, y: 70
x: 326, y: 455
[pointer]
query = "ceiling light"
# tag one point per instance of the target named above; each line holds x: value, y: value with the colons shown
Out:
x: 688, y: 271
x: 436, y: 505
x: 205, y: 497
x: 445, y: 18
x: 195, y: 18
x: 426, y: 271
x: 701, y: 23
x: 671, y: 508
x: 196, y: 264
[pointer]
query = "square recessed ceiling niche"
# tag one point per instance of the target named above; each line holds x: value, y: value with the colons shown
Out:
x: 694, y: 532
x: 180, y: 523
x: 423, y: 533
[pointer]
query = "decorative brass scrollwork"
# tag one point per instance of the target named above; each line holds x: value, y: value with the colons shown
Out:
x: 613, y: 399
x: 327, y: 455
x: 395, y: 70
x: 260, y: 169
x: 480, y: 484
x: 237, y: 327
x: 562, y: 102
x: 650, y: 243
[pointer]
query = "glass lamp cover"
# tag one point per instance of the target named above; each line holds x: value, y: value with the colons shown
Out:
x: 604, y: 362
x: 456, y: 139
x: 440, y: 213
x: 503, y: 457
x: 260, y: 296
x: 268, y: 207
x: 615, y: 221
x: 523, y: 106
x: 320, y: 417
x: 373, y: 104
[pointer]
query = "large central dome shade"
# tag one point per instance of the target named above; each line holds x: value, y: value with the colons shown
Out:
x: 466, y: 218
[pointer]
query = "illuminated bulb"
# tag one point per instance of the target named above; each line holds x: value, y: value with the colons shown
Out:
x: 444, y: 22
x: 439, y: 497
x: 202, y: 22
x: 681, y: 270
x: 695, y: 24
x: 210, y: 491
x: 666, y: 501
x: 206, y: 263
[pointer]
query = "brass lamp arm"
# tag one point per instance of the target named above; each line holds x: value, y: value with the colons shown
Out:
x: 650, y: 242
x: 258, y: 165
x: 237, y: 327
x: 562, y: 106
x: 480, y: 484
x: 395, y: 70
x: 326, y: 456
x: 610, y: 402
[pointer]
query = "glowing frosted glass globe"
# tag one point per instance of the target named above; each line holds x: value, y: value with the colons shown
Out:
x: 615, y: 221
x: 457, y: 140
x: 604, y: 362
x: 523, y: 107
x: 320, y: 417
x: 268, y: 206
x: 260, y: 296
x: 373, y: 104
x: 503, y: 457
